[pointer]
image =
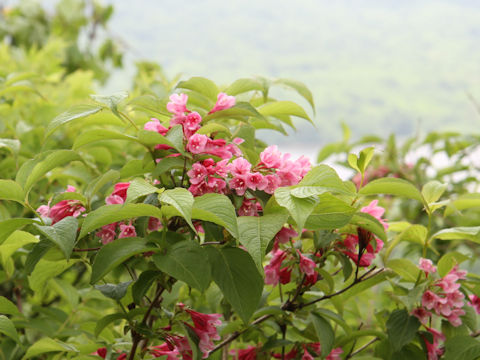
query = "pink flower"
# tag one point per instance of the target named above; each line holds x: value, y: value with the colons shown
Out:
x: 433, y: 349
x: 164, y: 350
x: 454, y: 317
x: 285, y: 275
x: 154, y: 224
x: 431, y: 300
x: 307, y: 266
x: 376, y: 212
x: 197, y: 143
x: 223, y: 102
x: 154, y: 125
x: 272, y: 270
x: 191, y: 124
x: 239, y: 184
x: 285, y: 234
x: 248, y: 208
x: 177, y: 104
x: 44, y: 210
x: 422, y: 315
x: 271, y: 157
x: 107, y: 234
x: 216, y: 185
x: 427, y: 266
x: 240, y: 167
x: 197, y: 174
x: 205, y: 328
x: 250, y: 353
x: 183, y: 347
x: 120, y: 189
x: 273, y: 182
x: 65, y: 208
x: 256, y: 181
x: 238, y: 141
x: 306, y: 355
x: 335, y: 354
x: 127, y: 231
x: 474, y: 302
x: 114, y: 199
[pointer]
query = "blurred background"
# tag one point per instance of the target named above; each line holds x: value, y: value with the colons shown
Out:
x: 381, y: 67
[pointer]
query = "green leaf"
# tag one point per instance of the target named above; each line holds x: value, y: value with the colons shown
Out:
x: 38, y: 251
x: 401, y: 328
x: 51, y: 161
x: 95, y: 186
x: 92, y: 136
x: 283, y: 108
x: 461, y: 348
x: 75, y: 112
x: 392, y: 186
x: 299, y: 208
x: 111, y: 101
x: 107, y: 320
x: 7, y: 227
x: 236, y: 274
x: 166, y: 164
x: 187, y: 262
x: 45, y: 270
x: 368, y: 222
x: 404, y: 268
x: 216, y: 208
x: 139, y: 187
x: 465, y: 201
x: 46, y: 345
x: 63, y: 234
x: 173, y: 138
x: 7, y: 307
x: 10, y: 190
x: 241, y: 86
x: 352, y: 160
x: 448, y: 261
x: 326, y: 179
x: 300, y: 88
x: 115, y: 253
x: 114, y: 291
x: 330, y: 213
x: 201, y: 85
x: 363, y: 286
x: 7, y: 328
x: 143, y: 283
x: 212, y: 127
x: 182, y: 200
x: 325, y: 313
x: 239, y: 111
x: 11, y: 144
x: 433, y: 190
x: 109, y: 214
x: 459, y: 233
x: 324, y: 331
x: 256, y: 232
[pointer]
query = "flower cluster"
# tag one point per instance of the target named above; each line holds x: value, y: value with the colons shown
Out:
x: 353, y: 244
x: 204, y: 326
x: 108, y: 233
x: 275, y: 273
x: 232, y: 172
x: 62, y: 209
x: 443, y: 296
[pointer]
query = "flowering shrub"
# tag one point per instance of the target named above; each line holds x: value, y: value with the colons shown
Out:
x: 199, y: 241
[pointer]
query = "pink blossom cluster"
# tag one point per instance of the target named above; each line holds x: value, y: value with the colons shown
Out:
x: 62, y: 209
x: 274, y: 170
x: 204, y: 325
x: 108, y: 233
x: 275, y: 273
x: 443, y: 296
x: 349, y: 246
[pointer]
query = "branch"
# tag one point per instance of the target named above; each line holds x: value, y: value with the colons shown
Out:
x: 236, y: 334
x: 361, y: 348
x: 89, y: 249
x: 355, y: 282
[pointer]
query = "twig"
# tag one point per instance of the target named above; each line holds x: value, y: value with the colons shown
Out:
x: 361, y: 348
x: 88, y: 249
x: 360, y: 279
x: 236, y: 334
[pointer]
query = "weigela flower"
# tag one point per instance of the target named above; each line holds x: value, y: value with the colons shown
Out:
x: 127, y: 231
x: 272, y: 270
x: 250, y: 353
x: 177, y: 104
x: 307, y: 266
x: 205, y: 327
x: 427, y: 266
x: 62, y: 209
x: 223, y: 102
x: 474, y: 302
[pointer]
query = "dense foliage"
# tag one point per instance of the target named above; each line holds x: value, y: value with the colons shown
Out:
x: 154, y: 224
